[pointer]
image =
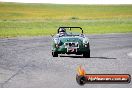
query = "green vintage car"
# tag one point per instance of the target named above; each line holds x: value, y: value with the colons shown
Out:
x: 65, y: 42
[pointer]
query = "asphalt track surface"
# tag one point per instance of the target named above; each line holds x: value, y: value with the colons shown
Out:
x: 26, y: 62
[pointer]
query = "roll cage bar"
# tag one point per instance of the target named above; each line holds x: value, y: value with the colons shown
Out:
x: 70, y: 28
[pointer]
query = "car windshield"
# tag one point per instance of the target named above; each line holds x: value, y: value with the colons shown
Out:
x: 69, y: 31
x: 72, y: 34
x: 69, y: 34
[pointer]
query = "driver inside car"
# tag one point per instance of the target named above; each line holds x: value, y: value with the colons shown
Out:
x: 62, y: 32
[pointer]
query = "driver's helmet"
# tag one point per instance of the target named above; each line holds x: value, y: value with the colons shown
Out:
x: 62, y: 30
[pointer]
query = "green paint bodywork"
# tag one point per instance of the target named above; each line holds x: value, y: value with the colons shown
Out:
x: 62, y: 49
x: 70, y: 43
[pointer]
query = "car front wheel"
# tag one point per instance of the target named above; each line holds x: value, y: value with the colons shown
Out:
x: 54, y: 54
x: 86, y: 54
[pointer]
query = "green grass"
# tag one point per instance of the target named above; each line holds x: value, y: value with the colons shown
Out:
x: 18, y: 19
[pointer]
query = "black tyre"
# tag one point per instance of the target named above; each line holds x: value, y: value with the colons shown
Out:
x: 54, y: 54
x: 86, y: 54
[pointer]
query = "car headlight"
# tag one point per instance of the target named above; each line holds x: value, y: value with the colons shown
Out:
x: 85, y: 41
x: 56, y: 40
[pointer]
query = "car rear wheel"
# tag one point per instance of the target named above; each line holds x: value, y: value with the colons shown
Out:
x: 86, y: 54
x: 54, y: 54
